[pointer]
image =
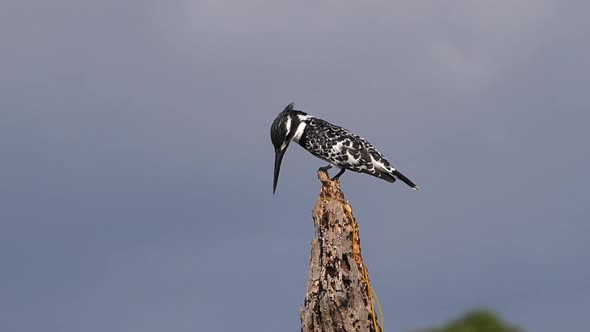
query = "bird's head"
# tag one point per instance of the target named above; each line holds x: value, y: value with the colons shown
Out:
x: 282, y: 132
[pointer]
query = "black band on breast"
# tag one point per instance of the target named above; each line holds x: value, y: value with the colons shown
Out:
x: 303, y: 139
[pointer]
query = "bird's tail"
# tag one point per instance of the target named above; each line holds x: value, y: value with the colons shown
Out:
x: 404, y: 179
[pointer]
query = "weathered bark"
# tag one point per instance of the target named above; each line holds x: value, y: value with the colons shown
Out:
x: 338, y: 297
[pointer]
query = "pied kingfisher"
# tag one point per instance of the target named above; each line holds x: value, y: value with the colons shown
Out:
x: 331, y: 143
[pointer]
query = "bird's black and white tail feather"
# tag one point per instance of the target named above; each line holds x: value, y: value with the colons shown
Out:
x: 391, y: 174
x: 405, y: 180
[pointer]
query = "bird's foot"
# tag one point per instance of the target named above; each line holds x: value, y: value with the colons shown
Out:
x: 337, y: 176
x: 329, y: 186
x: 323, y: 174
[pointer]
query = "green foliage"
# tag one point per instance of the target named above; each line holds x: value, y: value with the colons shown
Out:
x: 477, y: 321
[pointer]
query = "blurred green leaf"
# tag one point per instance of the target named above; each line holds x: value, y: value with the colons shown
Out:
x: 480, y: 320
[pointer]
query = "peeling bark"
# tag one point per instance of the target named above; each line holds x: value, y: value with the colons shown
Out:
x: 338, y: 297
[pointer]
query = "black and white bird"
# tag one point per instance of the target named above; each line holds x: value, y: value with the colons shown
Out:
x: 334, y: 144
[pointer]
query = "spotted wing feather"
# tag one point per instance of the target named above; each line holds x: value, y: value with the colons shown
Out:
x: 341, y: 148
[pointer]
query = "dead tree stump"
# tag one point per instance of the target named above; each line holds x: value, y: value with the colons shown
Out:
x: 339, y: 295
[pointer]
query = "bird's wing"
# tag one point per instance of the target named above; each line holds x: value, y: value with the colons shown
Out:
x: 342, y: 148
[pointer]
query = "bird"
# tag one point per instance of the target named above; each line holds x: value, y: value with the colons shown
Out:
x: 334, y: 144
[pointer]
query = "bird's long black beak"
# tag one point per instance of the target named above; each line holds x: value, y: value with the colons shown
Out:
x: 278, y: 159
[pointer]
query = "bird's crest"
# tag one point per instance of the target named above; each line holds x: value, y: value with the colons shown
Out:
x: 289, y: 107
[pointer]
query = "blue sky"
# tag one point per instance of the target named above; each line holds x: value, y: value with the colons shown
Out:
x: 137, y: 165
